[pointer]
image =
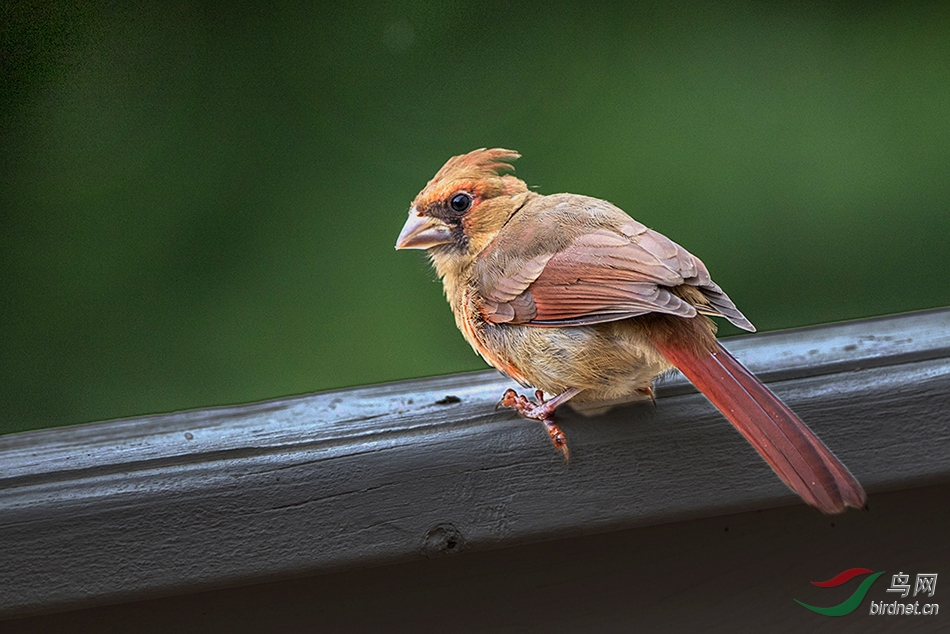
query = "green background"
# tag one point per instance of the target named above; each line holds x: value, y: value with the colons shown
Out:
x: 199, y: 202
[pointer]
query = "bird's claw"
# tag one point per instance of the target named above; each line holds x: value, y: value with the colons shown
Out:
x: 557, y: 438
x: 540, y: 411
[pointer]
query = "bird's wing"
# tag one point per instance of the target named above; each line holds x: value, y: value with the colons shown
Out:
x: 606, y: 275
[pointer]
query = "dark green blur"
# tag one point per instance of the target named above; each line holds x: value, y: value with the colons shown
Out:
x: 198, y: 203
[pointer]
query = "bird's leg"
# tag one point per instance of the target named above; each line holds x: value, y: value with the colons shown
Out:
x: 649, y: 391
x: 543, y: 411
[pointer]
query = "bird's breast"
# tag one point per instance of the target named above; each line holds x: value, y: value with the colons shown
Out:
x: 484, y: 340
x: 608, y: 362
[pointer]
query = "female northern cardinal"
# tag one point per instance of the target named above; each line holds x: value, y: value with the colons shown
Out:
x: 570, y: 295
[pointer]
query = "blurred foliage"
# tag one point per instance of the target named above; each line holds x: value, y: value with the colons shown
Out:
x: 199, y: 202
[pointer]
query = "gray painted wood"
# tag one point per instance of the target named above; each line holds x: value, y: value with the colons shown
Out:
x: 733, y: 573
x: 176, y: 503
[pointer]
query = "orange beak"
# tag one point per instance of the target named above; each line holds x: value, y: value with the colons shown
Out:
x: 422, y: 232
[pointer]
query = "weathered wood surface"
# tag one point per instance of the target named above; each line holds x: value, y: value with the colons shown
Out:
x: 175, y: 503
x: 728, y: 574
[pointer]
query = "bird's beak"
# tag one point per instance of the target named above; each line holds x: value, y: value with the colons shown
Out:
x: 422, y: 232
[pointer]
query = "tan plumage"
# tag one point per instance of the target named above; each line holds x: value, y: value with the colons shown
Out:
x: 570, y: 295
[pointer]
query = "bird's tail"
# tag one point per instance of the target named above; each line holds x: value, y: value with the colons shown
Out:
x: 796, y: 454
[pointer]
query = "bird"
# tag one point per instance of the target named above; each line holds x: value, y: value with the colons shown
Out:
x: 570, y: 296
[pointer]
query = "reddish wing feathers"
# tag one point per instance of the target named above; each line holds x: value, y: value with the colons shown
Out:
x: 603, y: 276
x: 606, y: 276
x: 803, y: 462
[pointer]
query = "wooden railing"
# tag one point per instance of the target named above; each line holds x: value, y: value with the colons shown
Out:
x: 157, y: 505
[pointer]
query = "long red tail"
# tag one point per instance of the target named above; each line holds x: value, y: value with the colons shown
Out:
x: 796, y: 454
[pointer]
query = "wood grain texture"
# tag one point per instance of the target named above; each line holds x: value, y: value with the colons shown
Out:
x: 176, y: 503
x: 733, y: 573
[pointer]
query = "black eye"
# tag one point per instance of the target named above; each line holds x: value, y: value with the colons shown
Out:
x: 460, y: 202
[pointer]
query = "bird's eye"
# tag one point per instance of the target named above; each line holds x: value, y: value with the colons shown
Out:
x: 460, y: 202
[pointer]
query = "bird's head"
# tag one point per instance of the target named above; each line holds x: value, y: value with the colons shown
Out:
x: 464, y: 206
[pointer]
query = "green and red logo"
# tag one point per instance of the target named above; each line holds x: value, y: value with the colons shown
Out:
x: 850, y: 604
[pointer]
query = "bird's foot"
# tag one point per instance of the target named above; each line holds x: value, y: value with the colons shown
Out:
x: 542, y: 411
x: 650, y: 392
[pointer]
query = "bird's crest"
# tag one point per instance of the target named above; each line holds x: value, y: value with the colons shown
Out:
x: 477, y: 165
